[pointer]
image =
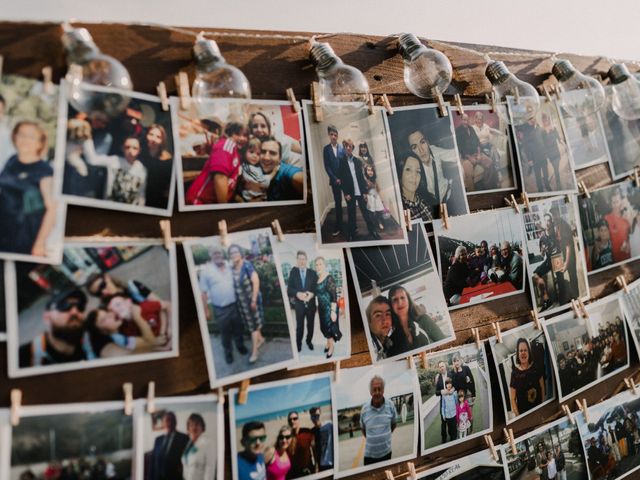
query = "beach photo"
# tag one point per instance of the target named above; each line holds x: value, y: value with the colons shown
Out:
x: 470, y: 467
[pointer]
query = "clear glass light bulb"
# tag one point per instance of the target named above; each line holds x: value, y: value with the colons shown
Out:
x: 581, y: 94
x: 522, y: 98
x: 97, y: 69
x: 427, y: 72
x: 215, y: 78
x: 625, y: 99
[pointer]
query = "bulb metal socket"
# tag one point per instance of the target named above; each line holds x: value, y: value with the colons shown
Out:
x: 206, y: 51
x: 322, y: 55
x: 618, y: 73
x: 408, y: 45
x: 563, y: 70
x: 497, y: 72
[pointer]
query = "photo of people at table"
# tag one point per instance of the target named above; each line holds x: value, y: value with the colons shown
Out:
x: 610, y: 220
x: 623, y: 139
x: 480, y: 256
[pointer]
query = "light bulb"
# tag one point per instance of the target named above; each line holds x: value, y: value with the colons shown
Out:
x: 581, y: 94
x: 427, y: 72
x: 97, y: 69
x: 337, y: 81
x: 215, y: 78
x: 625, y: 98
x: 522, y: 98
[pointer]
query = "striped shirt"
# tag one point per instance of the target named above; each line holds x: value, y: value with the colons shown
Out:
x: 378, y: 423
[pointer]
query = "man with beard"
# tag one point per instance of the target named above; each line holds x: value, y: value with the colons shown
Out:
x: 65, y: 339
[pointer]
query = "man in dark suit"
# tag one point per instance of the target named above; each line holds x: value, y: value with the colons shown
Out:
x: 301, y: 289
x: 331, y: 155
x: 166, y: 457
x: 354, y: 188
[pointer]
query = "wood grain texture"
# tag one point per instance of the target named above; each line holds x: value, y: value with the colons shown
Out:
x: 274, y: 61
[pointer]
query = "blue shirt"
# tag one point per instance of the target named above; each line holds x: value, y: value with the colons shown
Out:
x: 448, y: 405
x: 251, y: 471
x: 281, y: 187
x: 378, y: 423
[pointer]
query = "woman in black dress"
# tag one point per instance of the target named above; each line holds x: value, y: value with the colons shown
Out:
x: 328, y: 310
x: 159, y: 164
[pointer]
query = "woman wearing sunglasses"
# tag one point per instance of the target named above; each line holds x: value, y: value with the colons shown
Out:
x: 276, y: 457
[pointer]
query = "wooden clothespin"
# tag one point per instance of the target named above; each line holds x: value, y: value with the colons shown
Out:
x: 512, y: 202
x: 47, y: 75
x: 407, y: 220
x: 151, y: 397
x: 444, y: 216
x: 243, y: 393
x: 221, y: 395
x: 583, y: 408
x: 620, y: 280
x: 389, y: 475
x: 631, y: 384
x: 556, y: 91
x: 387, y: 104
x: 496, y: 328
x: 127, y: 389
x: 476, y: 333
x: 508, y: 434
x: 162, y: 93
x: 516, y: 95
x: 440, y: 100
x: 536, y: 319
x: 525, y: 200
x: 277, y: 230
x: 576, y: 308
x: 583, y: 189
x: 636, y: 176
x: 545, y: 90
x: 423, y: 360
x: 412, y: 470
x: 292, y: 99
x: 410, y: 362
x: 567, y: 412
x: 1, y: 64
x: 458, y: 101
x: 16, y: 403
x: 491, y: 101
x: 492, y: 448
x: 165, y: 228
x: 224, y: 234
x: 182, y: 81
x: 315, y: 98
x: 583, y: 309
x: 336, y: 371
x: 370, y: 104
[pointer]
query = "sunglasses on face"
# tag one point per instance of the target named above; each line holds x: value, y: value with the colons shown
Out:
x: 315, y: 417
x: 284, y: 437
x: 254, y: 440
x: 293, y: 419
x: 67, y: 304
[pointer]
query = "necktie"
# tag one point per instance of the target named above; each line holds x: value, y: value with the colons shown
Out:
x: 303, y: 275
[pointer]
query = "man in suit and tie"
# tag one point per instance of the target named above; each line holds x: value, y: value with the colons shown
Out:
x: 166, y: 457
x: 354, y: 188
x: 301, y: 289
x: 331, y: 155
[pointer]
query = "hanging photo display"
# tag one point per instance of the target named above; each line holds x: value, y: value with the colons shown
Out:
x: 427, y: 161
x: 3, y: 306
x: 241, y: 305
x: 470, y: 467
x: 525, y: 372
x: 108, y: 303
x: 403, y: 311
x: 587, y: 350
x: 631, y: 305
x: 623, y: 139
x: 480, y: 256
x: 285, y: 429
x: 484, y: 143
x: 116, y: 158
x: 352, y: 165
x: 455, y: 391
x: 318, y: 304
x: 546, y: 164
x: 375, y: 417
x: 554, y: 254
x: 238, y: 153
x: 32, y: 217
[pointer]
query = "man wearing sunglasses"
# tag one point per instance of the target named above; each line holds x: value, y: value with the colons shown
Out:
x: 65, y: 339
x: 251, y: 460
x: 323, y: 440
x: 301, y: 448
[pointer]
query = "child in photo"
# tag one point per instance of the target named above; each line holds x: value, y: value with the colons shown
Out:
x: 602, y: 254
x: 255, y: 182
x: 449, y: 408
x: 463, y: 414
x: 374, y: 201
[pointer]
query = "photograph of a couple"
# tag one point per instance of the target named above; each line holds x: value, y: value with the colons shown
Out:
x: 403, y: 310
x: 107, y: 303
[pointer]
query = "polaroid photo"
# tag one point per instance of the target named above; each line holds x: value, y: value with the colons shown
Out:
x: 241, y: 305
x: 525, y: 371
x: 546, y: 163
x: 471, y: 467
x: 78, y: 440
x: 555, y: 259
x: 235, y: 153
x: 317, y: 298
x: 484, y: 143
x: 610, y: 220
x: 403, y: 312
x: 455, y: 397
x: 609, y: 437
x: 108, y: 303
x: 480, y: 256
x: 631, y: 306
x: 586, y: 351
x: 551, y: 451
x: 352, y: 165
x: 182, y: 438
x: 623, y: 139
x: 32, y: 215
x: 427, y: 161
x: 286, y: 428
x: 375, y: 417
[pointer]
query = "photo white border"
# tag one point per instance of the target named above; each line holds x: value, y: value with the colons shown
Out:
x: 600, y: 128
x: 451, y: 470
x: 628, y: 314
x: 13, y: 345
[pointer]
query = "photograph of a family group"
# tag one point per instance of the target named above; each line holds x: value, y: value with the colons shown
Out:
x: 32, y: 216
x: 427, y: 161
x: 551, y: 452
x: 318, y: 303
x: 555, y: 258
x: 284, y: 430
x: 484, y: 144
x: 455, y: 395
x: 585, y: 351
x: 480, y: 256
x: 352, y: 165
x: 546, y: 163
x: 610, y: 220
x: 403, y: 310
x: 241, y: 305
x: 92, y: 441
x: 107, y: 303
x: 116, y: 159
x: 611, y: 437
x: 478, y: 465
x: 525, y: 371
x: 631, y: 307
x: 247, y: 153
x: 622, y: 139
x: 375, y: 417
x: 183, y: 439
